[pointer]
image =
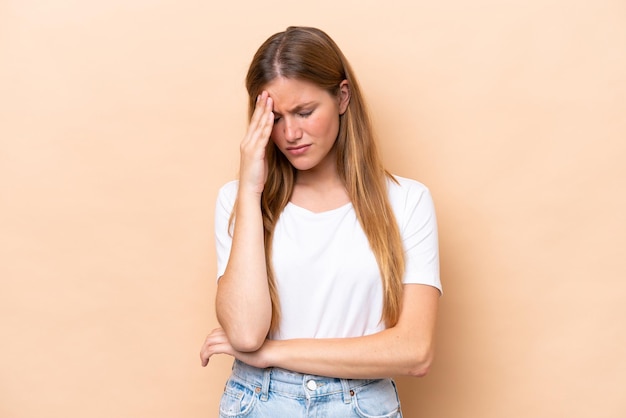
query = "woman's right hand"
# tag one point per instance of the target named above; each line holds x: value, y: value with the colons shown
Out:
x: 253, y: 164
x: 243, y: 303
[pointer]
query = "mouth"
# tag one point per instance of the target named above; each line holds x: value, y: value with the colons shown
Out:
x: 300, y: 149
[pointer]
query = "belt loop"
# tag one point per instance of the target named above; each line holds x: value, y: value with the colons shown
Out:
x: 347, y: 397
x: 266, y: 384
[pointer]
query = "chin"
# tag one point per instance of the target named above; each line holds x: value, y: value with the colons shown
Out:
x: 303, y: 167
x: 301, y: 164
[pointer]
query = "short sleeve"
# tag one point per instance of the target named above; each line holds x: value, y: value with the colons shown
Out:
x: 223, y: 237
x: 415, y: 210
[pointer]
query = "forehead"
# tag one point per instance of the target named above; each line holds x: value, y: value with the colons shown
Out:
x: 288, y: 93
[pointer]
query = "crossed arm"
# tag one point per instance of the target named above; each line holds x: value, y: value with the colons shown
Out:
x: 404, y: 349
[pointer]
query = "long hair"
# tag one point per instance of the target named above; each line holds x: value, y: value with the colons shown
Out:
x: 309, y: 54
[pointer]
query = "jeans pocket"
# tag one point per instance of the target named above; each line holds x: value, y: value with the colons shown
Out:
x: 378, y: 399
x: 238, y: 400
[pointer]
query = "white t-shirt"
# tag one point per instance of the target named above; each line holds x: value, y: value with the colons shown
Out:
x: 327, y: 277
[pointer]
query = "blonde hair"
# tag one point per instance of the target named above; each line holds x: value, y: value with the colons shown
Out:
x: 310, y: 54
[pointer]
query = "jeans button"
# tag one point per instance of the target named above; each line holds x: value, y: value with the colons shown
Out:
x: 311, y: 385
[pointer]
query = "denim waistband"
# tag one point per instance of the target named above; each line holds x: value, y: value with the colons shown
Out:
x: 287, y: 382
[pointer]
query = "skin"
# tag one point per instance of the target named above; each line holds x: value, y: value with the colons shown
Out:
x: 303, y: 121
x: 404, y: 349
x: 305, y: 130
x: 245, y: 315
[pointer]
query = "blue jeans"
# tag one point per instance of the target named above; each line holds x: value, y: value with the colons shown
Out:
x: 278, y: 393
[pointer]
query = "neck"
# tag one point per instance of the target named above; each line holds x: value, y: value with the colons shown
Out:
x: 322, y: 176
x: 320, y: 189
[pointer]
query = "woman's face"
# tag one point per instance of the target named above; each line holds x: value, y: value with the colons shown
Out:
x: 306, y: 122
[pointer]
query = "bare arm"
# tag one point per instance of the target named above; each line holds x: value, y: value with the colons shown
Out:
x: 243, y: 303
x: 405, y: 349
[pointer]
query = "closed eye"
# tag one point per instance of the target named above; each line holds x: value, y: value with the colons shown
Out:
x: 306, y: 114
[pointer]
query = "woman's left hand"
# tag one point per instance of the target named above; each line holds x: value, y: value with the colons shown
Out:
x: 217, y: 343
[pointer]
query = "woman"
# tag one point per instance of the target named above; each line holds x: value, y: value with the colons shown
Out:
x: 328, y: 265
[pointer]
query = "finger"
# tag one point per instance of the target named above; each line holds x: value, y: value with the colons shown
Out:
x: 260, y: 109
x: 265, y: 116
x: 208, y: 351
x: 204, y: 353
x: 266, y: 124
x: 216, y: 340
x: 204, y: 359
x: 267, y: 128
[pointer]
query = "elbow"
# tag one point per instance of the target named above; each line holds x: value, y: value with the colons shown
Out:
x: 244, y: 337
x: 246, y: 342
x: 420, y: 363
x: 419, y: 371
x: 245, y: 332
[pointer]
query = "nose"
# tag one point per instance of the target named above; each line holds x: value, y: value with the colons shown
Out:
x: 292, y: 130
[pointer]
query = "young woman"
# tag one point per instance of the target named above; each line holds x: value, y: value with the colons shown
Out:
x: 328, y: 265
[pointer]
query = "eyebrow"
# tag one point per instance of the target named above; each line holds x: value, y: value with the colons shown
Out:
x: 297, y: 108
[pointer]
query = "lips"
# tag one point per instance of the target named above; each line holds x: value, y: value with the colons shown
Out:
x: 300, y: 149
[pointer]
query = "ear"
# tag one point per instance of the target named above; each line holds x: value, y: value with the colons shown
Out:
x: 344, y: 96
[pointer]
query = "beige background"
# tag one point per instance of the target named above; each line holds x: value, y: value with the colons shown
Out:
x: 119, y: 120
